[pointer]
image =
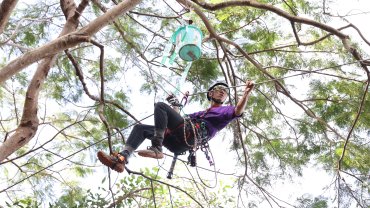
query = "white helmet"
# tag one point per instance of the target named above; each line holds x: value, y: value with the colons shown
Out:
x: 218, y: 82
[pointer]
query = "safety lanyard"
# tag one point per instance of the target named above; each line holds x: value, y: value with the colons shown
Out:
x: 181, y: 81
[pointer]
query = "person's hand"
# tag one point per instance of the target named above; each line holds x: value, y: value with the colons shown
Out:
x: 173, y: 101
x: 242, y: 103
x: 249, y: 85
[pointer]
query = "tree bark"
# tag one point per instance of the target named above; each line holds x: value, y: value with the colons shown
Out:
x: 68, y: 38
x: 29, y: 122
x: 6, y: 9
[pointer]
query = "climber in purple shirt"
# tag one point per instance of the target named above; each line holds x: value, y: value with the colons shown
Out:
x: 168, y: 129
x: 216, y: 118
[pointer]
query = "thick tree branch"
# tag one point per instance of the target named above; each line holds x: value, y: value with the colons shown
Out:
x: 280, y: 12
x: 29, y: 122
x: 66, y: 41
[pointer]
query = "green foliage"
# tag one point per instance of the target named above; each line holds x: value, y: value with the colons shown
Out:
x: 27, y: 202
x: 115, y: 118
x: 202, y: 73
x: 72, y: 198
x: 82, y: 172
x: 66, y: 78
x: 30, y: 31
x: 114, y: 115
x: 336, y: 102
x: 29, y: 39
x: 278, y: 144
x: 261, y: 110
x: 112, y: 67
x: 298, y: 7
x: 260, y: 39
x: 204, y: 69
x: 356, y: 157
x: 131, y: 36
x: 306, y: 201
x: 230, y: 19
x: 130, y: 189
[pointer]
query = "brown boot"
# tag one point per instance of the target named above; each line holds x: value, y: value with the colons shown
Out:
x: 114, y: 161
x: 155, y: 151
x: 152, y: 152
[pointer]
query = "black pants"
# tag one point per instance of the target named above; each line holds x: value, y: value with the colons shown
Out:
x: 164, y: 117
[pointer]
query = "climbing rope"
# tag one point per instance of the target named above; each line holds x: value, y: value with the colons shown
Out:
x: 162, y: 77
x: 200, y: 142
x: 214, y: 171
x: 282, y: 78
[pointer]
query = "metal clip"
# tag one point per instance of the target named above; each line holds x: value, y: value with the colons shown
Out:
x: 192, y: 159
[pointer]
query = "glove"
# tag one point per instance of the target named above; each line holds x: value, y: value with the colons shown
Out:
x: 173, y: 101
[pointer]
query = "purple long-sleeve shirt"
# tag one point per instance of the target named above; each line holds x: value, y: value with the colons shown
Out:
x: 216, y: 118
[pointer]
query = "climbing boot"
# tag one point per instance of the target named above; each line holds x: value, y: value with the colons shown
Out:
x: 115, y: 161
x: 155, y: 151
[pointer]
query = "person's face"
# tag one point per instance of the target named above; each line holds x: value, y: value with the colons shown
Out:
x: 219, y: 92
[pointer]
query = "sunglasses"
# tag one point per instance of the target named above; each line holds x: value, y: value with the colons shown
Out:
x: 221, y: 88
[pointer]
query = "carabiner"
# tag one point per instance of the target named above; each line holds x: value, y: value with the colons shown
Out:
x: 185, y: 99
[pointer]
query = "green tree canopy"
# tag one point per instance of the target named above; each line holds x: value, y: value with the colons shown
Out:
x: 68, y: 70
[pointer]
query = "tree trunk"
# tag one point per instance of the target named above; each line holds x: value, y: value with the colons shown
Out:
x: 29, y: 122
x: 6, y: 9
x: 68, y: 38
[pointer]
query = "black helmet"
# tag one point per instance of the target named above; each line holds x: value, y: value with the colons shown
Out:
x: 219, y: 82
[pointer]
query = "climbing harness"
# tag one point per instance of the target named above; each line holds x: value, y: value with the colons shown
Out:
x: 201, y: 142
x: 195, y: 137
x: 201, y: 138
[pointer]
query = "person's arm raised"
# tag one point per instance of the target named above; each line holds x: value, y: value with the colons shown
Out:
x: 240, y: 106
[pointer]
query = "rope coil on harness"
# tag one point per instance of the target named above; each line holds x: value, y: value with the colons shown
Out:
x: 199, y: 132
x: 200, y: 142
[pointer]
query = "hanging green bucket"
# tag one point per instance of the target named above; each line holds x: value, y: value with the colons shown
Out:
x: 188, y: 42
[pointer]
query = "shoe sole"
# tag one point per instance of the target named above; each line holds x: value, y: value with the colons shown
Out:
x: 150, y: 153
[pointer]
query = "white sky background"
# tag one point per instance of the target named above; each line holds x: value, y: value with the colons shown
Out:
x: 313, y: 181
